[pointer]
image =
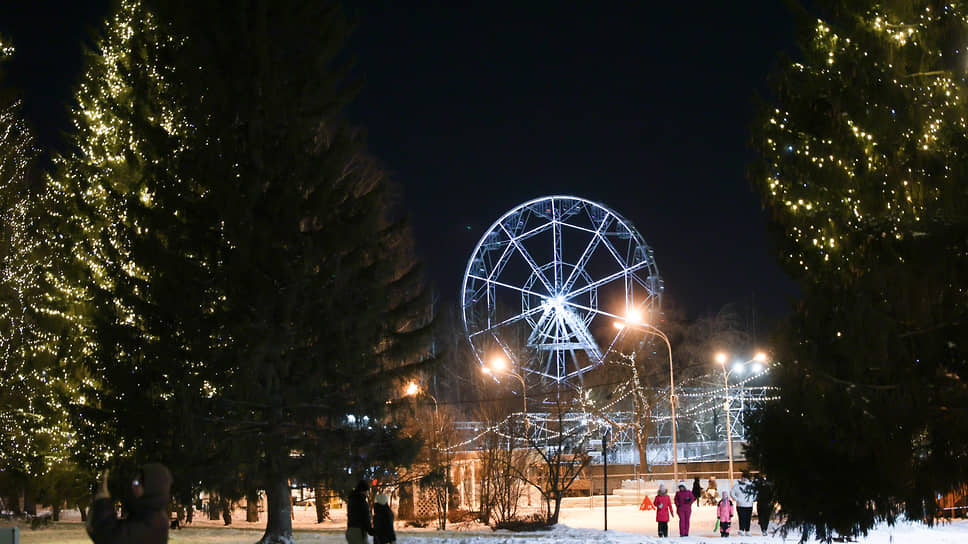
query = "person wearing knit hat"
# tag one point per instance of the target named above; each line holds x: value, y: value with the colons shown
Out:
x: 683, y: 501
x: 383, y: 532
x: 663, y: 509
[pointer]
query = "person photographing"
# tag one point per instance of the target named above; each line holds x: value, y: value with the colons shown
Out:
x: 145, y: 501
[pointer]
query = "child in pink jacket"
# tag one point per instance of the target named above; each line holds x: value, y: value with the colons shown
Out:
x: 663, y: 508
x: 725, y: 514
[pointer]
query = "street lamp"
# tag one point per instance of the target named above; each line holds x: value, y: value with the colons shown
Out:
x: 499, y: 365
x: 633, y: 318
x: 721, y: 358
x: 412, y: 390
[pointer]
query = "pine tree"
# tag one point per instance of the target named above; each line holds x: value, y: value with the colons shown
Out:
x: 137, y: 257
x: 325, y: 309
x: 241, y: 284
x: 862, y: 166
x: 34, y: 433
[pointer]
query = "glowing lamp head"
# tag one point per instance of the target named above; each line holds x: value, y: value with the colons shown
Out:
x: 757, y: 367
x: 761, y: 357
x: 738, y: 368
x: 721, y: 358
x: 412, y: 389
x: 499, y: 363
x: 486, y: 370
x: 619, y: 325
x: 634, y: 317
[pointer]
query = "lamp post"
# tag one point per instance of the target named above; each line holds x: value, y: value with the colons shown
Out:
x: 721, y: 359
x: 413, y: 390
x: 634, y: 319
x: 499, y: 365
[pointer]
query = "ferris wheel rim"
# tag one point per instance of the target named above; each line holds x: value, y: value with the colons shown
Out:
x: 626, y: 265
x: 467, y: 270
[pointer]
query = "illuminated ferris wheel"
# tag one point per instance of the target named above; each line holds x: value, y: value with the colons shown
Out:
x: 549, y: 279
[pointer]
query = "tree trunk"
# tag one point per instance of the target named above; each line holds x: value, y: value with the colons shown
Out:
x: 30, y: 506
x: 252, y: 506
x: 643, y: 460
x: 322, y: 503
x: 213, y: 507
x: 226, y: 507
x: 279, y: 526
x: 190, y: 513
x: 406, y: 508
x: 55, y: 510
x: 83, y: 510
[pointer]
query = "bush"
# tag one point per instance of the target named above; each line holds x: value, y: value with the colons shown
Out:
x: 457, y: 515
x: 534, y: 522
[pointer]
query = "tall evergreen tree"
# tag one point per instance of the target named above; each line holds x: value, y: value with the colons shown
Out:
x: 34, y: 433
x: 241, y: 284
x: 862, y: 166
x: 325, y: 308
x: 137, y: 256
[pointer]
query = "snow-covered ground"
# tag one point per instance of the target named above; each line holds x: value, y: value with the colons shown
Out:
x: 627, y: 525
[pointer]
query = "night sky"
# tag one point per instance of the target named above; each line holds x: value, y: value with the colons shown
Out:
x: 644, y: 108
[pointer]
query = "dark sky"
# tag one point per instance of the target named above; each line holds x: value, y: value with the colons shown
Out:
x: 644, y: 108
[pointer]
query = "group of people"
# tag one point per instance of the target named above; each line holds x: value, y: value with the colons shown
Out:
x: 739, y: 501
x: 146, y: 521
x: 358, y: 523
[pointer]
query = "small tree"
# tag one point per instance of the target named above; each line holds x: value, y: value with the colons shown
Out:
x: 501, y: 485
x: 560, y: 457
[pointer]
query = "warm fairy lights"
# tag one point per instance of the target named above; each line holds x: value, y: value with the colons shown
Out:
x: 888, y: 160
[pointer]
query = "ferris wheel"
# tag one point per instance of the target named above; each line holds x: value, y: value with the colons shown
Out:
x: 548, y: 281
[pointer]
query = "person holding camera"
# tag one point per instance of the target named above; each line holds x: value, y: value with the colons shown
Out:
x: 145, y: 503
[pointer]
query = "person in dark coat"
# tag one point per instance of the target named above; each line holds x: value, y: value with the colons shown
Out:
x: 383, y: 532
x: 146, y: 520
x: 696, y: 490
x: 358, y: 515
x: 764, y: 502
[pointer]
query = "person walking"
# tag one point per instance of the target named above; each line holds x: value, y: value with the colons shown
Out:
x: 696, y: 490
x: 145, y: 502
x: 744, y: 494
x: 663, y: 509
x: 684, y: 499
x: 764, y: 502
x: 725, y: 514
x: 383, y: 532
x: 358, y: 515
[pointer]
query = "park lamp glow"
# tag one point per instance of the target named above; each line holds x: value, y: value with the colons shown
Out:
x: 499, y: 363
x: 412, y: 389
x: 632, y: 317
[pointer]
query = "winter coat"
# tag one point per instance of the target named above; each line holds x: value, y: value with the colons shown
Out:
x: 383, y: 524
x: 663, y: 507
x: 743, y: 493
x: 147, y: 516
x: 725, y: 510
x: 684, y: 500
x: 358, y: 512
x: 764, y: 497
x: 696, y: 489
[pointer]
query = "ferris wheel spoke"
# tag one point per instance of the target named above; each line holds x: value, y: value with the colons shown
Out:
x: 508, y: 321
x: 501, y: 262
x: 607, y: 279
x: 507, y: 286
x: 586, y: 254
x: 527, y: 258
x: 556, y: 245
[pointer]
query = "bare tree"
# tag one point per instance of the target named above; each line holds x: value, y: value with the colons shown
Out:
x: 559, y: 452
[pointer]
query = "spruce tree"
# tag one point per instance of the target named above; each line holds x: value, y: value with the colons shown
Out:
x: 326, y: 313
x: 35, y: 435
x: 137, y: 255
x: 861, y: 163
x: 243, y: 288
